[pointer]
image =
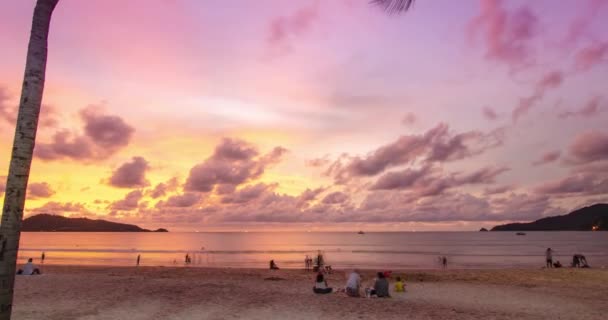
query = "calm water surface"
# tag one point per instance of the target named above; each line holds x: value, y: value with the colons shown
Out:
x: 342, y: 250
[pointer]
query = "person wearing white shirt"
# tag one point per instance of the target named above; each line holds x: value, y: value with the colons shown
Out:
x: 353, y: 284
x: 29, y: 269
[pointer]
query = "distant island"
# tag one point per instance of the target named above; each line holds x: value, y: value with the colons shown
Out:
x: 48, y: 223
x: 592, y: 218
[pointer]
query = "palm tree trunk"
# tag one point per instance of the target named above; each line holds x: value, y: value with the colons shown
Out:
x: 23, y: 149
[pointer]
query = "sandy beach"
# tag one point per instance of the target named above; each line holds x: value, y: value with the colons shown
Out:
x: 201, y: 293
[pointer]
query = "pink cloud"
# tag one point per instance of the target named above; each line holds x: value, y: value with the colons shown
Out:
x: 248, y: 193
x: 39, y: 190
x: 496, y: 190
x: 131, y: 174
x: 436, y: 145
x: 580, y: 25
x: 401, y: 179
x: 550, y: 80
x: 284, y: 28
x: 109, y: 132
x: 580, y: 184
x: 130, y: 201
x: 184, y: 200
x: 547, y: 157
x: 409, y: 119
x: 507, y: 36
x: 489, y: 113
x: 104, y: 135
x: 591, y: 108
x: 588, y: 57
x: 233, y: 162
x: 335, y: 198
x: 62, y: 208
x: 161, y: 189
x: 590, y: 146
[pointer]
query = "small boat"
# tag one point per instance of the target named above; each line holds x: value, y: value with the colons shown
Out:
x: 361, y: 232
x: 521, y: 233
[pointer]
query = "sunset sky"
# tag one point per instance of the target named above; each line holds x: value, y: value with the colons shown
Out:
x: 314, y: 115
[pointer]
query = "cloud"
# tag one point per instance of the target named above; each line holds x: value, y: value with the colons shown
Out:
x: 109, y: 132
x: 283, y: 29
x: 579, y: 184
x: 547, y: 157
x: 580, y: 25
x: 248, y: 193
x: 103, y: 136
x: 409, y: 119
x: 400, y: 179
x: 7, y: 111
x: 131, y: 174
x: 489, y: 113
x: 429, y: 182
x: 550, y: 80
x: 161, y: 189
x: 588, y: 57
x: 318, y: 162
x: 233, y: 162
x: 335, y: 198
x: 62, y: 208
x: 507, y: 36
x: 130, y: 201
x: 590, y: 146
x: 496, y: 190
x: 591, y: 108
x: 436, y: 145
x: 38, y: 190
x: 184, y: 200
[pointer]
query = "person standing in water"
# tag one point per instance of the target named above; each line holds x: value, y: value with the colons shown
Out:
x: 549, y: 256
x: 138, y: 258
x: 42, y: 258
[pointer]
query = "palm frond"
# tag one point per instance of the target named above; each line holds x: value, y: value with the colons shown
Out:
x: 393, y: 6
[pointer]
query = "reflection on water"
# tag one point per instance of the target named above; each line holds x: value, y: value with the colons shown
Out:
x: 341, y: 250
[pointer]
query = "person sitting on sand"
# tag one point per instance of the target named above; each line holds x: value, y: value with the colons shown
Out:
x: 399, y: 285
x: 579, y: 261
x: 29, y: 268
x: 353, y: 284
x: 321, y: 286
x: 557, y: 264
x: 273, y: 266
x: 380, y: 288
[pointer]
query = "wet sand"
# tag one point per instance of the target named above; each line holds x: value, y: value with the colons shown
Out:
x: 200, y: 293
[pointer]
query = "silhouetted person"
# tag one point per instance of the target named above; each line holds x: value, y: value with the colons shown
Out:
x: 549, y: 257
x: 444, y: 262
x: 187, y: 259
x: 138, y: 258
x: 29, y: 268
x: 579, y: 261
x: 557, y: 264
x: 42, y: 258
x: 273, y: 266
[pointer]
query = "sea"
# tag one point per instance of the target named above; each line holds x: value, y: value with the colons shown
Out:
x: 372, y: 250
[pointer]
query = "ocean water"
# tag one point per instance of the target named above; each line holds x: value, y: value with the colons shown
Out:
x: 395, y: 250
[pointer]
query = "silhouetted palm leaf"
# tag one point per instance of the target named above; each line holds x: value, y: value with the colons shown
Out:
x: 393, y: 6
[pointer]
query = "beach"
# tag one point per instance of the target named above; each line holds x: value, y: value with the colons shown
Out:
x: 89, y: 292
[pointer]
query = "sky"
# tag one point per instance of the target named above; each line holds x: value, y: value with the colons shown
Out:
x: 314, y: 115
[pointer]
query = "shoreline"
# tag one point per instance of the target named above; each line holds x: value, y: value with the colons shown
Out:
x: 87, y: 293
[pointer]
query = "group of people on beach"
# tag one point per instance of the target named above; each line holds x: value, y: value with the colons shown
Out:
x: 578, y: 260
x: 379, y: 288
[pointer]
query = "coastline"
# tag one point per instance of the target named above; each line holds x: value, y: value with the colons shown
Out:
x: 86, y: 292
